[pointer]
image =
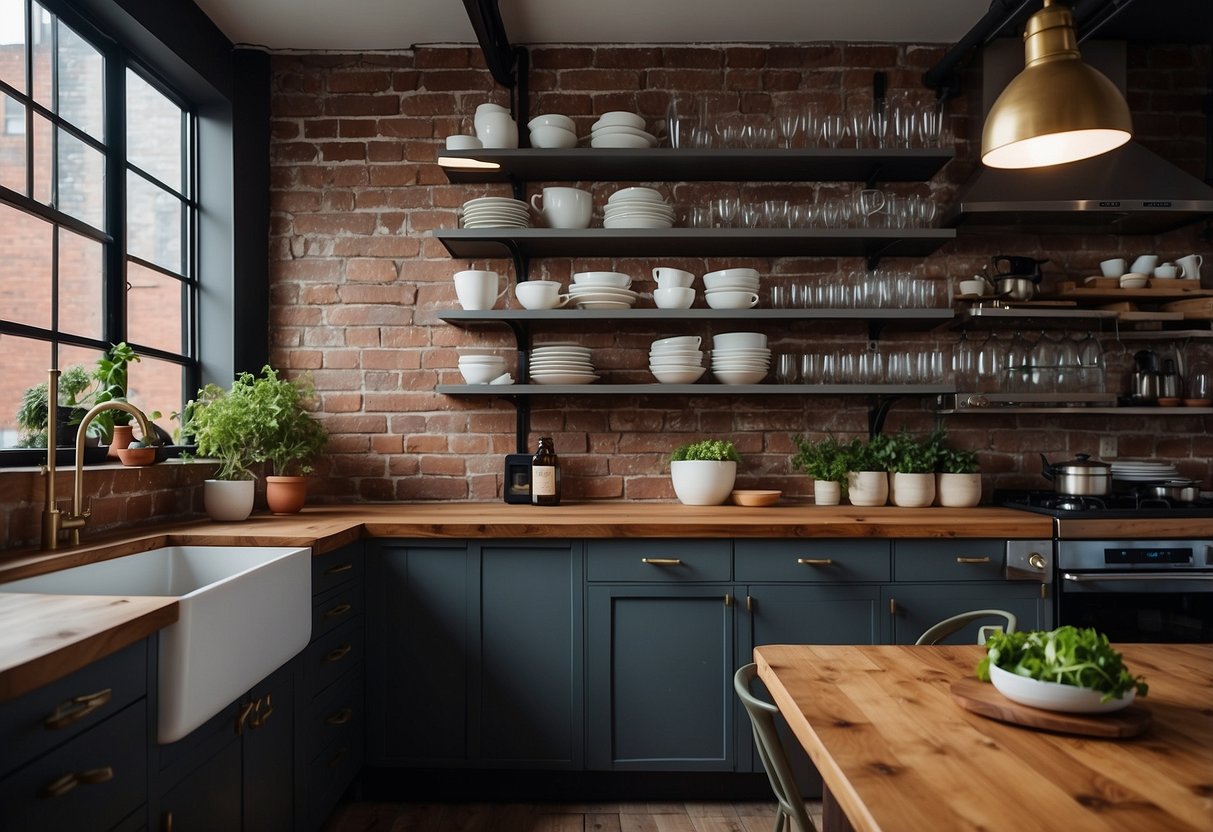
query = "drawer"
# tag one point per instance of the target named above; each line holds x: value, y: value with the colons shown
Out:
x: 330, y: 774
x: 812, y: 561
x: 333, y: 655
x: 41, y: 719
x: 336, y: 568
x: 335, y: 608
x: 90, y: 783
x: 948, y: 560
x: 335, y: 716
x: 659, y: 560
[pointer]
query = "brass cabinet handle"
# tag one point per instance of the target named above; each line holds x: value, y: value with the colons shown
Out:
x: 77, y: 708
x: 71, y: 780
x: 340, y: 609
x: 166, y: 824
x: 245, y: 712
x: 1036, y: 560
x: 728, y: 600
x: 340, y: 717
x: 662, y: 561
x: 749, y: 603
x: 259, y: 718
x: 972, y: 560
x: 892, y: 606
x: 815, y: 561
x: 339, y: 653
x: 339, y: 568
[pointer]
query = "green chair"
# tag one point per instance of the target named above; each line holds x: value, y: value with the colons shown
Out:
x: 948, y: 626
x: 770, y: 749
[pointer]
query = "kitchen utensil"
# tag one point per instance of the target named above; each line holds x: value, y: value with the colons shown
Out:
x: 1181, y: 491
x: 1080, y: 477
x: 1190, y: 266
x: 1015, y: 288
x: 1145, y: 382
x: 1168, y: 382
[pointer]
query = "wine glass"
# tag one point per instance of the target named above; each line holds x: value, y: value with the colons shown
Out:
x: 790, y: 122
x: 1091, y: 365
x: 870, y: 202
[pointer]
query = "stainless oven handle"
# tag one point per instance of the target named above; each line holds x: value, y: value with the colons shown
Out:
x: 1123, y: 576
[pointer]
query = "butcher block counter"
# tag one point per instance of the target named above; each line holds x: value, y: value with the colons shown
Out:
x: 41, y: 635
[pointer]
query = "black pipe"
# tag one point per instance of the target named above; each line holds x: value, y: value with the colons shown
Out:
x: 1001, y: 15
x: 490, y: 32
x: 1092, y: 15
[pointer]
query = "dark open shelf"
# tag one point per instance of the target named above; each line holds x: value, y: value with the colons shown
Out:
x: 705, y: 388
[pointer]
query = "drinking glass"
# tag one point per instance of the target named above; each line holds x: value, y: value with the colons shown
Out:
x: 871, y: 366
x: 810, y: 368
x: 1069, y: 368
x: 844, y: 367
x: 1017, y: 370
x: 1044, y: 363
x: 780, y: 297
x: 1200, y: 387
x: 870, y: 201
x: 700, y: 216
x: 726, y: 208
x: 750, y: 215
x: 833, y: 129
x: 1091, y: 365
x: 991, y: 360
x: 878, y: 126
x: 775, y: 213
x: 790, y: 122
x: 787, y: 368
x: 681, y: 120
x: 963, y: 363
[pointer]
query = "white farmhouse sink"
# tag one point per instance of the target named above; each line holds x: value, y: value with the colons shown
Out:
x: 244, y: 611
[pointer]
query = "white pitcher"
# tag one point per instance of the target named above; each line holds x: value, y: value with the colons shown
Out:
x: 1190, y: 266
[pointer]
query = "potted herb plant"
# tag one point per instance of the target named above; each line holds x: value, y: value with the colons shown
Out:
x: 288, y: 437
x: 703, y: 472
x: 913, y: 467
x: 223, y: 425
x: 959, y: 479
x: 34, y: 411
x: 868, y: 477
x: 826, y: 461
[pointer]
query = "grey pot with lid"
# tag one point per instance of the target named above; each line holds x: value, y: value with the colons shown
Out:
x: 1079, y: 477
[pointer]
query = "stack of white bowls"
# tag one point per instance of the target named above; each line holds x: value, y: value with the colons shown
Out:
x: 495, y: 127
x: 552, y: 131
x: 620, y: 129
x: 677, y: 360
x: 731, y: 288
x: 495, y: 212
x: 740, y: 357
x: 479, y: 368
x: 602, y: 290
x: 637, y: 208
x: 562, y: 363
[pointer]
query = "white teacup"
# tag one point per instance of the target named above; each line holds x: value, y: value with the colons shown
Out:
x: 564, y: 207
x: 669, y: 277
x: 1114, y: 267
x: 674, y: 297
x: 540, y: 294
x: 477, y: 289
x: 497, y: 130
x: 1166, y: 271
x: 731, y: 299
x: 1190, y: 266
x: 1144, y: 264
x: 729, y: 277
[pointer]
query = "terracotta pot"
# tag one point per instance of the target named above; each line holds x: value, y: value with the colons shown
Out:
x: 867, y: 488
x: 285, y: 495
x: 122, y: 438
x: 228, y: 501
x: 959, y: 490
x: 913, y: 490
x: 826, y: 492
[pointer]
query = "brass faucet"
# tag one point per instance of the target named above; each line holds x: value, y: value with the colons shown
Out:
x: 54, y: 520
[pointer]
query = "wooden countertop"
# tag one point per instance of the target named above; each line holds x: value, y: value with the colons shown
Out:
x: 896, y: 753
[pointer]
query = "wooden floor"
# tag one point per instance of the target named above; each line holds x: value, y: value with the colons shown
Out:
x: 559, y: 817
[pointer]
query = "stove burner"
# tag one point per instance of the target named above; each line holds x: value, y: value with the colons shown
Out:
x: 1074, y: 502
x: 1119, y: 504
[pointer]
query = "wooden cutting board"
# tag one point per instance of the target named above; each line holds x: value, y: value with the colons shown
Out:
x: 984, y: 699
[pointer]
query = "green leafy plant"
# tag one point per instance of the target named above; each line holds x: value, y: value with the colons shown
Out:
x: 110, y: 378
x: 825, y: 460
x: 33, y: 412
x: 874, y: 454
x: 288, y: 437
x: 1067, y: 655
x: 223, y: 426
x: 913, y: 456
x: 718, y: 450
x: 957, y: 461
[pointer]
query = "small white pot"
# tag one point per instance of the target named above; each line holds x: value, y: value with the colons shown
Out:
x: 703, y: 482
x: 826, y: 492
x: 867, y: 488
x: 958, y: 490
x: 228, y: 501
x: 913, y: 490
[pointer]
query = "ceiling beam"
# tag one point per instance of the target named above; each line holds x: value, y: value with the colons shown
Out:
x: 494, y: 43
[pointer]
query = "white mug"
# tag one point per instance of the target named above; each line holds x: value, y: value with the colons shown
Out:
x: 497, y: 130
x: 1113, y: 268
x: 674, y: 297
x: 1166, y: 271
x: 1144, y: 264
x: 564, y: 207
x: 669, y: 277
x: 540, y: 294
x: 1190, y: 266
x: 731, y: 299
x: 477, y: 289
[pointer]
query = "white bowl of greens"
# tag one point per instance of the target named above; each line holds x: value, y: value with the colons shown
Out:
x: 1068, y: 669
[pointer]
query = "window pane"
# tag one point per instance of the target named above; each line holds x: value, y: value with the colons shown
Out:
x: 43, y: 80
x: 12, y: 144
x: 43, y: 160
x: 156, y: 385
x: 80, y: 296
x: 153, y: 134
x: 81, y: 180
x: 153, y: 223
x: 153, y: 308
x: 81, y: 71
x: 25, y: 365
x: 12, y: 43
x: 25, y: 271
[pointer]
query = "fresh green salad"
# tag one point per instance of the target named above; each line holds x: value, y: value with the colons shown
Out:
x: 1068, y: 655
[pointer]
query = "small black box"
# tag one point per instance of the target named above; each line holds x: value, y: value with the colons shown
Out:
x: 518, y: 478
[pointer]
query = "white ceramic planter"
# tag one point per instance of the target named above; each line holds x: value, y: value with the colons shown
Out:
x: 958, y: 490
x: 913, y: 490
x: 228, y: 501
x: 701, y: 482
x: 826, y: 492
x: 867, y: 488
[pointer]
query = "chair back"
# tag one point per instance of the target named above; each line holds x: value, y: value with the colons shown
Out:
x: 938, y: 632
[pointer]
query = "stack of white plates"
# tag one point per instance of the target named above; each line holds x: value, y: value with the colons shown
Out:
x: 677, y: 360
x: 741, y: 365
x: 562, y: 363
x: 1141, y: 470
x: 637, y: 208
x: 601, y: 297
x: 620, y: 129
x: 495, y: 212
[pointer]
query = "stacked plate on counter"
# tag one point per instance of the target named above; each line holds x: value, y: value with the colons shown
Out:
x: 1143, y: 470
x: 562, y: 363
x: 602, y: 290
x: 637, y: 208
x: 621, y: 129
x: 740, y: 357
x: 677, y: 360
x: 495, y: 212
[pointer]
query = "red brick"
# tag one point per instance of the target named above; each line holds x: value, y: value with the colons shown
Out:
x: 342, y: 82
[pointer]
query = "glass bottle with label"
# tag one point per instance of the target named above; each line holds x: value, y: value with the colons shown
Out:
x: 545, y: 474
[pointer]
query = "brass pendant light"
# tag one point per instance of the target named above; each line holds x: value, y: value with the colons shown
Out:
x: 1058, y: 109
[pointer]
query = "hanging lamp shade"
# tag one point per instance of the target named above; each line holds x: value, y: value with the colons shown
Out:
x: 1058, y: 109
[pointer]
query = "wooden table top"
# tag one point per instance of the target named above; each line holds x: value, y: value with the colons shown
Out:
x: 898, y: 754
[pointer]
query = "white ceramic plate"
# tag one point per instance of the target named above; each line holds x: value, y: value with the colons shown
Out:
x: 623, y: 117
x: 1052, y: 696
x: 618, y: 141
x: 636, y: 192
x: 637, y: 222
x: 564, y: 378
x: 602, y: 304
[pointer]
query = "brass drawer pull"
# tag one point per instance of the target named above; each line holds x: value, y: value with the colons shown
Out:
x: 340, y: 717
x: 245, y: 712
x: 816, y: 561
x: 972, y: 560
x: 259, y: 718
x: 662, y: 561
x: 72, y: 779
x: 339, y: 568
x: 339, y: 653
x: 340, y: 609
x: 77, y: 708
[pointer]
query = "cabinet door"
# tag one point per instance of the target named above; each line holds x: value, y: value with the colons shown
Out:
x: 208, y: 798
x: 915, y: 607
x: 659, y: 670
x: 269, y: 753
x: 417, y: 659
x: 527, y: 708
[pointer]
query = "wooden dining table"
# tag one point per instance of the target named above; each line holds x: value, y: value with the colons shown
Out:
x: 897, y: 752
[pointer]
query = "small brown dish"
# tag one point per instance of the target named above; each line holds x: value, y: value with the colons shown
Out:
x: 1198, y: 402
x: 1169, y: 401
x: 137, y: 456
x: 756, y: 498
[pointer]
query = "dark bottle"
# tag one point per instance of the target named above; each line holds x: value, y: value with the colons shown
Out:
x: 545, y: 475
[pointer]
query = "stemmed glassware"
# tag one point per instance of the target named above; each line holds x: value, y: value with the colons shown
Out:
x: 833, y: 129
x: 790, y: 122
x: 726, y: 208
x: 1091, y: 365
x: 870, y: 201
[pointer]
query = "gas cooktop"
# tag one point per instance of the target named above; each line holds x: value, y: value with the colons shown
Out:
x: 1118, y: 505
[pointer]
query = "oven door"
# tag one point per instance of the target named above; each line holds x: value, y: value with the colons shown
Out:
x: 1139, y: 606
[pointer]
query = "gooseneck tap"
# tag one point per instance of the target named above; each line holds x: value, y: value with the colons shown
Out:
x: 54, y: 520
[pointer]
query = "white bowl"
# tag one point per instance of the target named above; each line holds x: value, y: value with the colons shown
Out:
x: 636, y: 193
x: 1053, y: 696
x: 552, y: 137
x: 1133, y: 281
x: 731, y: 299
x: 553, y: 120
x: 700, y: 482
x: 675, y: 341
x: 613, y: 280
x: 618, y: 141
x: 674, y: 297
x: 729, y: 340
x: 688, y: 375
x: 739, y: 376
x: 736, y: 287
x: 622, y: 118
x: 461, y: 142
x: 480, y: 373
x: 726, y: 277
